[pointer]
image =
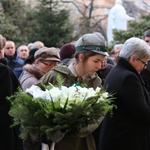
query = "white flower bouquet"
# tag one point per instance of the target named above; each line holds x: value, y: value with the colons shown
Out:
x: 54, y: 112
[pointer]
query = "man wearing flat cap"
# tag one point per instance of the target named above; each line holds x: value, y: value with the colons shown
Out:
x: 44, y: 60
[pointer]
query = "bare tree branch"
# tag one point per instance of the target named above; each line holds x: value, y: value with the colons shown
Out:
x: 145, y: 4
x: 88, y: 19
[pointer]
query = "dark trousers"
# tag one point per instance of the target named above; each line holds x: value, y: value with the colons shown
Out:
x: 29, y: 144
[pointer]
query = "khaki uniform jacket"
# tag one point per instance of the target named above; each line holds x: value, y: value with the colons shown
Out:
x: 91, y: 81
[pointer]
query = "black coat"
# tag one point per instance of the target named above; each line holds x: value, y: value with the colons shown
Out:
x: 104, y: 72
x: 146, y: 75
x: 129, y: 126
x: 8, y: 85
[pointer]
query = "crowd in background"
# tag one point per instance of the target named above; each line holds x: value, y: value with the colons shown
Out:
x: 125, y: 70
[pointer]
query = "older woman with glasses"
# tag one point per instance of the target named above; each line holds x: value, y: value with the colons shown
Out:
x: 128, y: 128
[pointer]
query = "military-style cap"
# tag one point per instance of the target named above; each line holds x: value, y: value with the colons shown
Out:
x: 94, y: 42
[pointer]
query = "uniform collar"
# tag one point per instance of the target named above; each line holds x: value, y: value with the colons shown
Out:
x: 71, y: 68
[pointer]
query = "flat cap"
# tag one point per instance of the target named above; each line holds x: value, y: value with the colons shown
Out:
x: 47, y: 53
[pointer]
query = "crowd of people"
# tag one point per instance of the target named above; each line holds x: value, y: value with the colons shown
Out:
x: 127, y: 75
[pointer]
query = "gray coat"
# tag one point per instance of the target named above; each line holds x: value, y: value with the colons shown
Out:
x: 30, y: 76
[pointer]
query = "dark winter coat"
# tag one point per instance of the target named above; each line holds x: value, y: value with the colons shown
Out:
x: 9, y: 139
x: 146, y: 76
x: 15, y: 64
x: 104, y: 72
x: 129, y: 126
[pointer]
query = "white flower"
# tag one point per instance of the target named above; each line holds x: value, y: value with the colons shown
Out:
x: 81, y: 94
x: 64, y: 89
x: 35, y: 91
x: 55, y: 93
x: 100, y: 99
x: 63, y: 96
x: 73, y: 94
x: 105, y: 94
x: 98, y: 89
x: 91, y: 92
x: 46, y: 95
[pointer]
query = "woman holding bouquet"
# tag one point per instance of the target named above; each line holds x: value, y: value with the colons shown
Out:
x: 90, y: 54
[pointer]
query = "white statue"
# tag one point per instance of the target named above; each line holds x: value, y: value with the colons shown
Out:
x: 117, y: 19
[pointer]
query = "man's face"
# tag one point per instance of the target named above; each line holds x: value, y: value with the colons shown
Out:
x: 147, y: 40
x: 23, y: 52
x: 9, y: 48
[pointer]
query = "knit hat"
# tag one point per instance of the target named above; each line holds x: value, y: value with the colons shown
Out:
x: 94, y: 42
x: 46, y: 53
x: 67, y: 51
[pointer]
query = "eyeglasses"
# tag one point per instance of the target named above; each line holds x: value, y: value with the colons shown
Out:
x: 144, y: 63
x: 45, y: 63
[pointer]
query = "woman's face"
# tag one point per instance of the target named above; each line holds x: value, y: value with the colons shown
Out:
x: 138, y: 63
x: 93, y: 64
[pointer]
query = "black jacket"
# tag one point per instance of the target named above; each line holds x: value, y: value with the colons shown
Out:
x: 9, y: 139
x: 129, y: 126
x: 16, y: 64
x: 146, y: 76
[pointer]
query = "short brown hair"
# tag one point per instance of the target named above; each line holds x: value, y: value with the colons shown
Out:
x: 2, y: 42
x: 86, y: 54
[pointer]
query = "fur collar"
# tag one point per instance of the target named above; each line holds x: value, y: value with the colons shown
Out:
x: 37, y: 72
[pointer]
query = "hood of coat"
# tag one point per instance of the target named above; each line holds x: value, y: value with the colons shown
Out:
x: 37, y: 72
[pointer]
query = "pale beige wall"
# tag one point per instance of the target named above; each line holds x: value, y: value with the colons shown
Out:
x: 104, y: 12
